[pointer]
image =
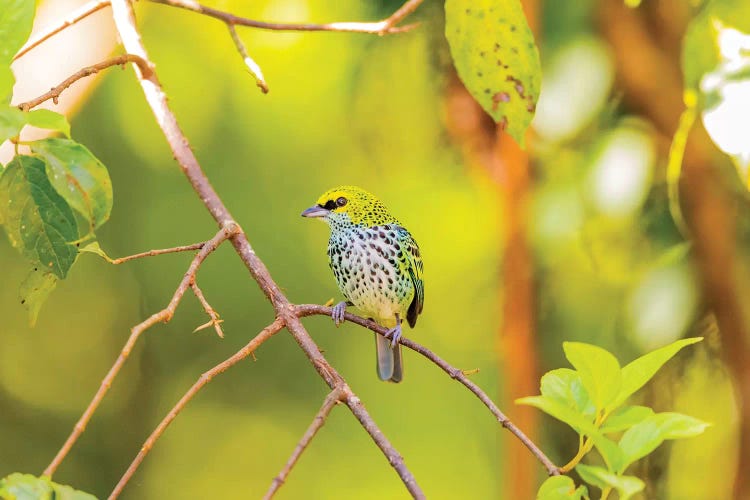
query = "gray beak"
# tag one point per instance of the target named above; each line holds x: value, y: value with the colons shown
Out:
x: 315, y: 211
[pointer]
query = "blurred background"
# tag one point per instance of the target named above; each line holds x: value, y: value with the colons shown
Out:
x: 571, y: 240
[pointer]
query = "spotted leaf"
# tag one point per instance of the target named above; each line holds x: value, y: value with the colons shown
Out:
x: 38, y: 221
x: 495, y: 55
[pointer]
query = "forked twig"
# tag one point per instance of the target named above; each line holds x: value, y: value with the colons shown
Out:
x: 333, y: 398
x: 204, y: 379
x: 454, y: 373
x: 215, y: 321
x: 226, y: 232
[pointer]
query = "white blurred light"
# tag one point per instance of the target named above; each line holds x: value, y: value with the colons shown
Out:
x: 558, y: 213
x: 620, y: 176
x: 726, y: 122
x: 662, y: 306
x: 575, y: 86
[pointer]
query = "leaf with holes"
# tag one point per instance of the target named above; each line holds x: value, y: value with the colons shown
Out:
x: 79, y: 177
x: 34, y: 291
x: 37, y: 220
x: 495, y: 55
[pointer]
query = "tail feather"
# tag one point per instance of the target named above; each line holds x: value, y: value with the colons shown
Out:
x: 388, y: 360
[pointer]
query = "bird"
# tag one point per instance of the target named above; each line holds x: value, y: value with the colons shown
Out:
x: 377, y: 266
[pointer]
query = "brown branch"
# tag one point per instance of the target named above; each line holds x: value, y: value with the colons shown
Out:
x: 180, y: 146
x: 204, y: 379
x: 226, y: 232
x: 55, y: 92
x: 215, y: 321
x: 81, y: 13
x: 383, y: 27
x: 455, y: 373
x: 333, y: 398
x: 153, y: 253
x: 252, y: 66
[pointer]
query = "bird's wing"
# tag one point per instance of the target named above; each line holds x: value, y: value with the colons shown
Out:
x: 412, y: 262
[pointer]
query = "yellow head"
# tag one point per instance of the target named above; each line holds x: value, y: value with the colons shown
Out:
x: 350, y: 205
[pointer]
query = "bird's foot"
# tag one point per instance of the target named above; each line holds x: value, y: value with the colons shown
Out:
x: 394, y: 334
x: 337, y: 313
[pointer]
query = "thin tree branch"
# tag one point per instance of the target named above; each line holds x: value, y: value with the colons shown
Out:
x: 180, y: 146
x: 153, y: 253
x: 333, y: 398
x: 230, y: 229
x: 55, y: 92
x: 215, y: 321
x: 252, y: 66
x: 204, y: 379
x: 455, y: 373
x: 383, y: 27
x: 80, y: 13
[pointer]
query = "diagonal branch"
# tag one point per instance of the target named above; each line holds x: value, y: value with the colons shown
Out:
x: 180, y: 146
x: 80, y: 13
x: 226, y: 232
x: 204, y: 379
x: 55, y: 92
x: 455, y: 373
x: 383, y: 27
x: 252, y: 66
x: 154, y: 253
x: 333, y: 398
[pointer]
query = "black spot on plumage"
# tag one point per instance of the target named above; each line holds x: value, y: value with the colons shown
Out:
x: 381, y: 234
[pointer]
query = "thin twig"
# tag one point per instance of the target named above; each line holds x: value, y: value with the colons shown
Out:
x: 55, y: 92
x: 230, y: 229
x: 252, y: 66
x: 384, y: 27
x: 204, y: 379
x: 82, y: 12
x: 161, y: 251
x: 333, y: 398
x: 455, y: 373
x: 215, y: 321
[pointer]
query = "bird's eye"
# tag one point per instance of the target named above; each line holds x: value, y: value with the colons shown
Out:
x: 341, y: 201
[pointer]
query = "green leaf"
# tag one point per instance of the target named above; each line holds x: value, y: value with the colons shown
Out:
x: 44, y: 118
x: 565, y: 386
x: 16, y: 17
x: 19, y: 486
x: 6, y: 84
x: 34, y: 291
x: 561, y: 488
x: 625, y: 417
x: 495, y: 56
x: 599, y: 371
x: 37, y: 220
x: 12, y: 121
x: 94, y: 248
x: 626, y: 486
x: 636, y: 373
x: 646, y: 436
x: 561, y: 412
x: 79, y: 177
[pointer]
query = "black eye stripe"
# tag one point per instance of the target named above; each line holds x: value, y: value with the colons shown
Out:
x: 330, y: 205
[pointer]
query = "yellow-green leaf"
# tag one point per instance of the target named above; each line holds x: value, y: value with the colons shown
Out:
x: 16, y: 18
x: 79, y: 177
x: 495, y: 56
x: 599, y: 371
x: 34, y: 291
x: 12, y: 121
x: 19, y: 486
x: 47, y: 119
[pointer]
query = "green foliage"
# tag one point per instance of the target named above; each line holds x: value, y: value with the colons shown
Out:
x: 19, y: 486
x: 495, y: 56
x: 591, y: 398
x: 38, y: 221
x: 79, y: 177
x: 40, y: 195
x: 561, y: 488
